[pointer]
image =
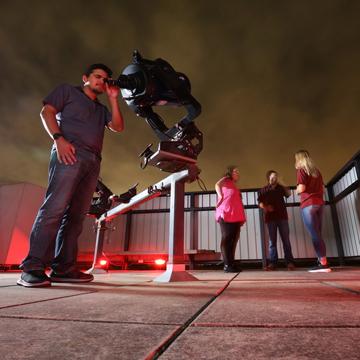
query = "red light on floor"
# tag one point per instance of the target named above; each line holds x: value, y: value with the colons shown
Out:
x: 160, y: 261
x: 103, y: 262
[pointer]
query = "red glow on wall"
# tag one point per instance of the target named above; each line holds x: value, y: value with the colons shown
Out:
x: 18, y: 247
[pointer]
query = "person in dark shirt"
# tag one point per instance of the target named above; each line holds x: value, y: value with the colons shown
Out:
x: 310, y: 187
x: 271, y: 200
x: 75, y: 120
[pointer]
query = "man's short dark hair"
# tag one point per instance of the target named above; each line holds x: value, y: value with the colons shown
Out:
x: 93, y: 67
x: 269, y: 172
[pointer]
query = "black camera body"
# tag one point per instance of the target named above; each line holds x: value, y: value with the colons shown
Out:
x: 148, y: 83
x: 153, y: 82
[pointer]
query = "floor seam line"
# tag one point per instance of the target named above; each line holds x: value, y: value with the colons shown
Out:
x: 21, y: 317
x: 340, y: 287
x: 155, y: 354
x: 45, y: 300
x: 274, y: 326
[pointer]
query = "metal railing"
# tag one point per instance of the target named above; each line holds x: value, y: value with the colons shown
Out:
x: 146, y: 228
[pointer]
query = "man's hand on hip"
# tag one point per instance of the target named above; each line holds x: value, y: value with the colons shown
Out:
x: 65, y: 151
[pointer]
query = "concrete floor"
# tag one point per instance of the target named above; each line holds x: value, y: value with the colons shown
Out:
x: 124, y: 315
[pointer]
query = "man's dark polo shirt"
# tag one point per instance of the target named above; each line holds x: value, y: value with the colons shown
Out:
x: 82, y: 120
x: 275, y: 198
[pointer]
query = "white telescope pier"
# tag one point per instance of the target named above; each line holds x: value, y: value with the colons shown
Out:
x: 175, y: 183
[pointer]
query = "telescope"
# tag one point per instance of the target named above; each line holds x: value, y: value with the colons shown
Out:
x: 145, y: 84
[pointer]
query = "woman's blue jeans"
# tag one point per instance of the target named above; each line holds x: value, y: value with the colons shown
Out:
x: 312, y: 216
x: 53, y: 239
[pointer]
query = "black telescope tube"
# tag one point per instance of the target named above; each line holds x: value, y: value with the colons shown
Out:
x: 130, y: 82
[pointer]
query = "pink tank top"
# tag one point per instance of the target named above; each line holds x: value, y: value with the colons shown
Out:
x: 231, y: 209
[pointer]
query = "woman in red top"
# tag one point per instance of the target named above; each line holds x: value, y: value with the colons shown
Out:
x: 230, y: 215
x: 310, y: 187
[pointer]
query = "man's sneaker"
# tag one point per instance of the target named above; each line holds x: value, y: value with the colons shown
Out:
x: 270, y: 267
x: 231, y: 269
x: 320, y: 268
x: 34, y: 278
x: 291, y: 267
x: 74, y: 276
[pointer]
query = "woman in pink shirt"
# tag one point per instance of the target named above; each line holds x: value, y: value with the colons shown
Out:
x: 230, y: 215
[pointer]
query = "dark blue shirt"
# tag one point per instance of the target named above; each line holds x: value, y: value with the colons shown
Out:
x: 81, y: 119
x: 275, y: 198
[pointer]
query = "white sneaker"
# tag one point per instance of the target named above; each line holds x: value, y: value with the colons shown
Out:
x: 321, y: 268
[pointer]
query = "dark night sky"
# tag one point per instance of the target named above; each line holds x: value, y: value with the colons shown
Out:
x: 272, y: 77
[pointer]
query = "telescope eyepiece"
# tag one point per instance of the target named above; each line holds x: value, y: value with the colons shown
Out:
x: 134, y: 82
x: 111, y: 82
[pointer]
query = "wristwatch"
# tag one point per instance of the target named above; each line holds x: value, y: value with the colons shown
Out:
x: 57, y: 135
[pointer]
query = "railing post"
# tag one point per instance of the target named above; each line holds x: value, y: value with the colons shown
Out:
x: 335, y: 220
x: 194, y: 238
x: 262, y: 237
x: 357, y: 195
x: 357, y: 166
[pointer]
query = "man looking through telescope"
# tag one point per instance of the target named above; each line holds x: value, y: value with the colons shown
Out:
x: 75, y: 120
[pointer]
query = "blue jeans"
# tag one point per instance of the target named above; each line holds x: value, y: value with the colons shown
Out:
x: 312, y: 216
x: 283, y: 227
x: 53, y: 239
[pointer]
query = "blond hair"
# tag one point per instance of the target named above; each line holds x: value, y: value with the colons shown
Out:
x: 305, y: 162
